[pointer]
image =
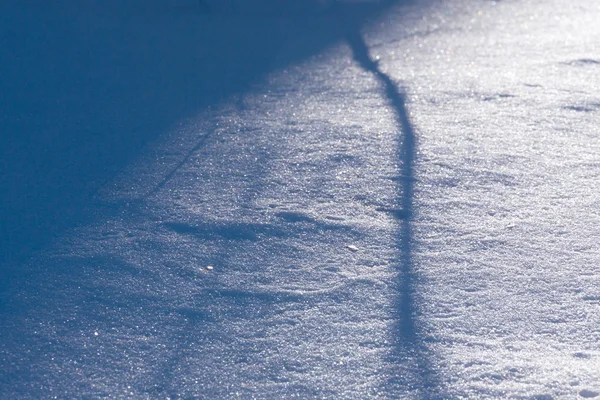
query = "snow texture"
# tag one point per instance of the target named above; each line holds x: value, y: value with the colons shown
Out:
x: 299, y: 199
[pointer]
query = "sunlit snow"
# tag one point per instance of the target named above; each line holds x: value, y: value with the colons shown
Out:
x: 300, y: 199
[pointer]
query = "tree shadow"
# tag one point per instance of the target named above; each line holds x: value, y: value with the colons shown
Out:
x: 415, y: 372
x: 85, y: 85
x: 84, y: 89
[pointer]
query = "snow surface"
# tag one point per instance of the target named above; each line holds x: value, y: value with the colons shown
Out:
x: 300, y: 199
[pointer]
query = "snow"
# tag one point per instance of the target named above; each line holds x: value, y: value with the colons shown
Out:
x: 361, y: 200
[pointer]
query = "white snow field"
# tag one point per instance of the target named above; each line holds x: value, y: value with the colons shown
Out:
x: 408, y: 210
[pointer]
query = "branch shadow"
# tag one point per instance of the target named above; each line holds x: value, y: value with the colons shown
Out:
x: 420, y: 375
x: 85, y: 85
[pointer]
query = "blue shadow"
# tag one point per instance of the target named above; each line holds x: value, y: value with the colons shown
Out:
x: 415, y: 372
x: 85, y: 85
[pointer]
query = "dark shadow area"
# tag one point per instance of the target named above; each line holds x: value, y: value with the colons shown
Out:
x: 409, y: 339
x: 92, y: 300
x: 85, y: 85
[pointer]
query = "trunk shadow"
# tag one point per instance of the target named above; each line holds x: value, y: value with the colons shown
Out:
x: 415, y: 371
